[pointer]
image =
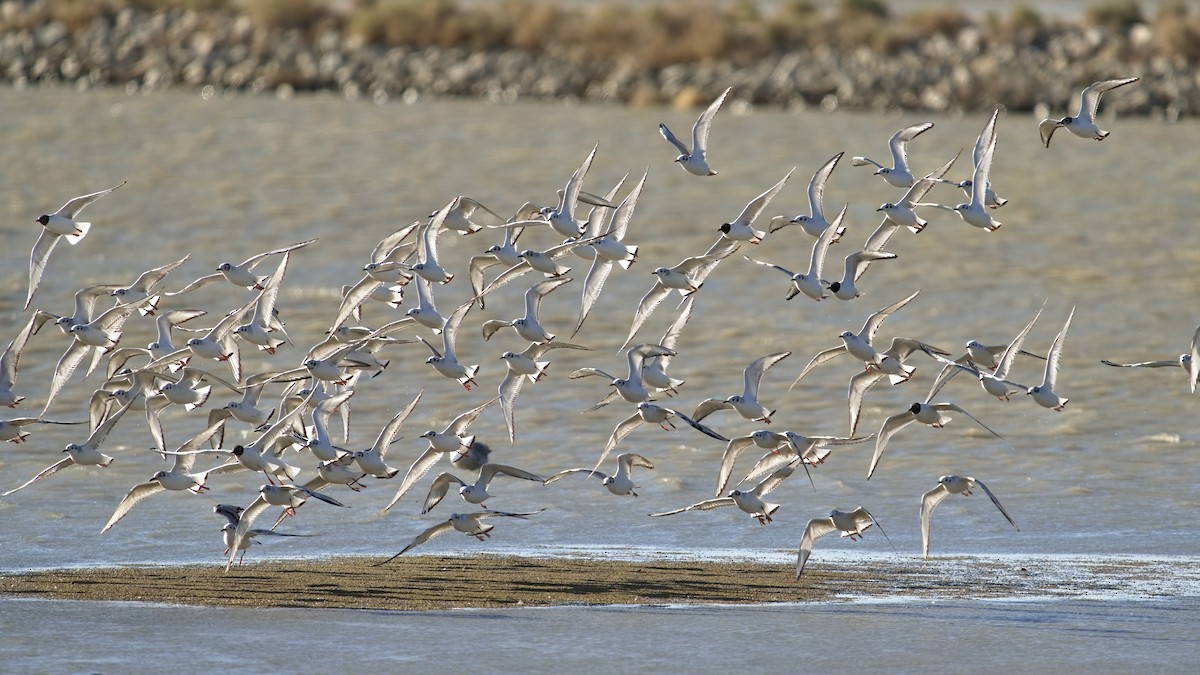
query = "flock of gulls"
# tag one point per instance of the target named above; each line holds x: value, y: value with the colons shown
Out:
x: 291, y: 409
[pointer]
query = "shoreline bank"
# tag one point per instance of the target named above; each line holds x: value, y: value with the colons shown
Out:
x: 960, y: 66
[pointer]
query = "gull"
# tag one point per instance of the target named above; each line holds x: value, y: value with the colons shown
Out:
x: 260, y: 454
x: 262, y: 329
x: 127, y: 386
x: 427, y: 266
x: 233, y: 517
x: 445, y: 362
x: 855, y: 266
x: 246, y: 409
x: 609, y: 249
x: 8, y: 365
x: 654, y: 368
x: 467, y: 523
x: 94, y: 338
x: 470, y: 459
x: 850, y: 523
x: 1044, y: 394
x: 384, y: 277
x: 694, y: 160
x: 373, y: 460
x: 528, y: 326
x: 449, y: 440
x: 892, y: 366
x: 459, y: 213
x: 751, y: 501
x: 901, y: 214
x: 975, y: 212
x: 229, y: 536
x: 542, y: 261
x: 994, y: 382
x: 472, y: 493
x: 217, y: 342
x: 523, y: 365
x: 977, y: 358
x: 179, y: 478
x: 785, y: 446
x: 630, y: 387
x: 60, y: 224
x: 809, y: 283
x: 163, y: 344
x: 952, y: 485
x: 1083, y: 124
x: 332, y: 472
x: 898, y: 175
x: 504, y: 253
x: 287, y: 496
x: 338, y: 471
x: 857, y: 344
x: 931, y: 414
x: 187, y: 392
x: 1188, y: 361
x: 426, y: 313
x: 86, y: 453
x: 12, y: 429
x: 746, y: 404
x: 562, y: 217
x: 620, y: 483
x: 146, y: 284
x: 84, y: 309
x: 238, y: 274
x: 687, y: 277
x: 742, y: 227
x: 984, y: 144
x: 390, y: 295
x: 814, y: 222
x: 317, y: 440
x: 653, y: 414
x: 329, y: 361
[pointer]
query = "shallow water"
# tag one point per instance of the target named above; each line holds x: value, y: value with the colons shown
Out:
x: 1107, y: 227
x: 861, y: 637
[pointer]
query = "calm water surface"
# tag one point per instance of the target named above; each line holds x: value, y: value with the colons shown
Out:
x: 1108, y: 227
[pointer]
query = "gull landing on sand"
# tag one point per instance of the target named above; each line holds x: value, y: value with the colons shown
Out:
x: 952, y: 485
x: 851, y: 524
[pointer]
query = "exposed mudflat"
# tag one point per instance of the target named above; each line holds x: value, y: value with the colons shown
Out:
x: 422, y: 583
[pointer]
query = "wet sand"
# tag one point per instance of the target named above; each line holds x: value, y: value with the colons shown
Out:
x: 425, y: 583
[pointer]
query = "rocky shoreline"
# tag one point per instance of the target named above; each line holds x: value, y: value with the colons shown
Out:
x: 969, y: 70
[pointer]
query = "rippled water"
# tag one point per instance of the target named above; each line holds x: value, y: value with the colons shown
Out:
x: 1105, y: 226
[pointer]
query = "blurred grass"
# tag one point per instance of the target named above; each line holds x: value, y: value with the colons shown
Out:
x: 652, y: 33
